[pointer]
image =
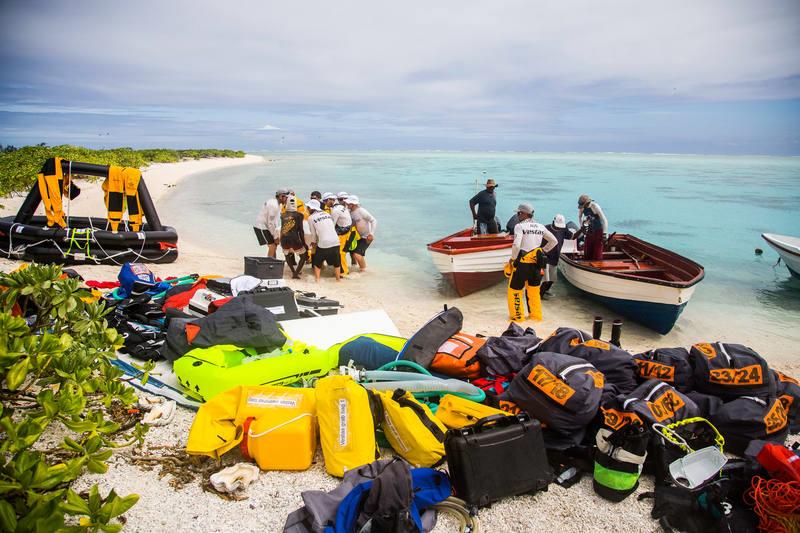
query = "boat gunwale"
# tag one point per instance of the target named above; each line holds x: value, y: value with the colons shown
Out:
x: 779, y: 245
x: 438, y: 245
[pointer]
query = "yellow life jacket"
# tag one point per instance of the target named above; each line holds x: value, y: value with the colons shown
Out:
x: 114, y: 189
x: 532, y: 256
x: 50, y: 187
x: 412, y: 430
x: 456, y: 412
x: 132, y: 177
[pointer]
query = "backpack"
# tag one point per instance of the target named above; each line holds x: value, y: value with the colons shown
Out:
x: 657, y: 402
x: 411, y: 429
x: 730, y: 371
x: 456, y: 412
x: 670, y: 365
x: 508, y: 353
x: 421, y: 347
x: 347, y: 416
x: 561, y: 391
x: 789, y: 395
x: 616, y: 364
x: 562, y: 340
x: 619, y: 457
x: 456, y: 357
x: 751, y: 418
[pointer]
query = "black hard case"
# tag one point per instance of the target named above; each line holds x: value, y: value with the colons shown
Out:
x: 499, y: 456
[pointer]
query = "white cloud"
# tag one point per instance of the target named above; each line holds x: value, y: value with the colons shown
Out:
x: 269, y: 127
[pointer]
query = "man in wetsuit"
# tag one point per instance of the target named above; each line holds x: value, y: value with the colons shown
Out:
x: 486, y: 202
x: 593, y: 222
x: 527, y: 263
x: 292, y: 237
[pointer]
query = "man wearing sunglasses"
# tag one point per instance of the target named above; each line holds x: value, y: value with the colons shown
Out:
x: 268, y: 222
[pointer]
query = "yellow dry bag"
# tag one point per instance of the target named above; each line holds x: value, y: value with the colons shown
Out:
x: 412, y: 430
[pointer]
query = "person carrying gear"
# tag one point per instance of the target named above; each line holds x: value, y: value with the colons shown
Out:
x: 301, y: 206
x: 267, y: 226
x: 559, y: 229
x: 486, y: 202
x: 593, y: 222
x: 344, y: 229
x: 328, y: 201
x: 365, y: 224
x: 342, y: 196
x: 292, y: 237
x: 526, y: 264
x: 325, y: 242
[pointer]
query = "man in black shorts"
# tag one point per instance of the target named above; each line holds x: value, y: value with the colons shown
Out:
x: 324, y: 240
x: 268, y: 222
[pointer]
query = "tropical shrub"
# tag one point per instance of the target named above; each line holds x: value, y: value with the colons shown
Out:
x: 58, y: 386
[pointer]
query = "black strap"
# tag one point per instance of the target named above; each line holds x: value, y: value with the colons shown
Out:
x: 400, y: 398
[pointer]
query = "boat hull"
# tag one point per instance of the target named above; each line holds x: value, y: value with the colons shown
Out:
x: 789, y: 255
x: 655, y: 306
x: 468, y: 282
x: 471, y: 264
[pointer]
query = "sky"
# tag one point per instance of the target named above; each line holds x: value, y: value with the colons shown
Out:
x: 717, y: 76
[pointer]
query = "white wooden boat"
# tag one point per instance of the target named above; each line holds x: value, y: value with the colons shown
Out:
x: 788, y: 248
x: 471, y: 262
x: 635, y: 278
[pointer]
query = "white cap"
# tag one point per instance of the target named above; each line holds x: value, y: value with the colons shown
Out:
x: 314, y: 205
x: 282, y: 190
x: 559, y: 221
x: 328, y: 196
x: 342, y: 194
x: 525, y: 208
x: 352, y: 200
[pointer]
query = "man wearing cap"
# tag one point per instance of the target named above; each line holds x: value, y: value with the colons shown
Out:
x: 325, y: 242
x: 527, y: 262
x: 559, y: 230
x: 268, y: 221
x: 486, y: 202
x: 328, y: 201
x: 344, y: 228
x: 593, y: 223
x: 365, y: 225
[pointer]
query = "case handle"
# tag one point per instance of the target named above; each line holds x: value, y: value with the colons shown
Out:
x: 491, y: 419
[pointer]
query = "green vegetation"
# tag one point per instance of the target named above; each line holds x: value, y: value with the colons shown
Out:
x: 19, y: 166
x: 63, y: 407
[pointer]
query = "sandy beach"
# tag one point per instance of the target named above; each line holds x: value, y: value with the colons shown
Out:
x: 275, y: 494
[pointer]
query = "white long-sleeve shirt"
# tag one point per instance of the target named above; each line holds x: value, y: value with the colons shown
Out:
x: 598, y: 212
x: 341, y: 216
x: 364, y: 221
x: 529, y: 234
x: 320, y: 226
x: 269, y: 218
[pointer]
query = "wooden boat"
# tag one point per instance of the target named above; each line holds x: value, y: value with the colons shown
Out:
x: 639, y: 280
x: 471, y: 262
x: 788, y: 248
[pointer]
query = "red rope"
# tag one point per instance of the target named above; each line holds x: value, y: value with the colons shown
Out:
x: 777, y: 504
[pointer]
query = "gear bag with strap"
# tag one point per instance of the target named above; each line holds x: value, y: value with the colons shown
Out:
x: 412, y: 430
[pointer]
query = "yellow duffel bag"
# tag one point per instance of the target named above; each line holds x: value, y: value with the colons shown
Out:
x: 412, y: 430
x: 346, y: 424
x: 456, y: 412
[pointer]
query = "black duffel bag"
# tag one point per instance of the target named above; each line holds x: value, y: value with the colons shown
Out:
x: 670, y: 365
x: 730, y: 371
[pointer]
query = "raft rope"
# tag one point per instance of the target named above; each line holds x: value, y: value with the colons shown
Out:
x: 777, y: 504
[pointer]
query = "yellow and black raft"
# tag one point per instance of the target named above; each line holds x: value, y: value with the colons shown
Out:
x: 57, y: 237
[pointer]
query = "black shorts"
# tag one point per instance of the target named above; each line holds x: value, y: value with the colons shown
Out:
x: 361, y: 247
x: 264, y: 236
x: 327, y: 255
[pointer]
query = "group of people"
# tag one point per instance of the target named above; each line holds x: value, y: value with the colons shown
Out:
x: 322, y: 231
x: 533, y: 266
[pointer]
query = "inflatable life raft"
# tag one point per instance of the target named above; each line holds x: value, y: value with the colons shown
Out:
x: 206, y: 372
x: 59, y: 238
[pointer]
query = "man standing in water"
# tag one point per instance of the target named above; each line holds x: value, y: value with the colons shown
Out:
x: 268, y: 222
x: 366, y: 225
x: 559, y: 230
x: 486, y: 202
x: 527, y: 263
x: 594, y: 223
x: 325, y: 242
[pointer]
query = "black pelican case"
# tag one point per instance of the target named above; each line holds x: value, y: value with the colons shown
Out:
x: 499, y: 456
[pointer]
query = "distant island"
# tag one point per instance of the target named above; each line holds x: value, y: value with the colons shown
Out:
x: 19, y: 166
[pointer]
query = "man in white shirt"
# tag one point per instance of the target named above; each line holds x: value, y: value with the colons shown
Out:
x: 325, y: 242
x: 366, y: 225
x: 268, y: 222
x: 527, y: 264
x: 344, y: 228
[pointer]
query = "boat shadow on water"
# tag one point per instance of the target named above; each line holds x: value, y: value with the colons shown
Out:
x: 781, y: 295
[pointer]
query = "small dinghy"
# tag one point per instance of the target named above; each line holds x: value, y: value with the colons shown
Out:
x: 788, y: 248
x: 471, y: 262
x: 637, y: 279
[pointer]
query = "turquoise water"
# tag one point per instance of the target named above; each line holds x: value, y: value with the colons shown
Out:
x: 708, y: 208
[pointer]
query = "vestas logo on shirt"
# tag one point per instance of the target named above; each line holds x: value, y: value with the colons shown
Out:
x: 532, y: 231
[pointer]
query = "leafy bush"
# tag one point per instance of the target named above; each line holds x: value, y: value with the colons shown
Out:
x: 58, y: 381
x: 18, y: 167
